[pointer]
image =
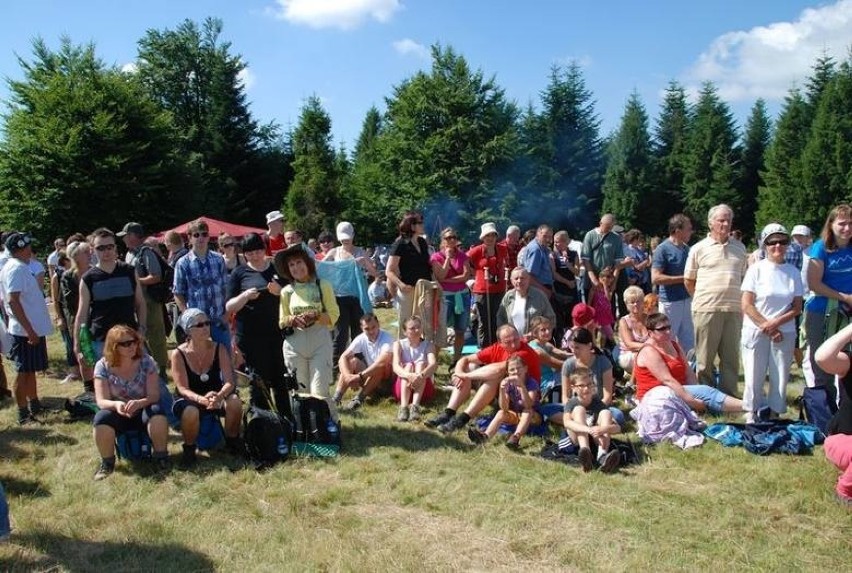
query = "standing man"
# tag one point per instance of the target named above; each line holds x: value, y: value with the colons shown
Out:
x: 512, y: 244
x: 200, y: 280
x: 29, y: 324
x: 149, y: 272
x: 667, y: 271
x: 274, y: 236
x: 53, y: 258
x: 714, y: 272
x: 109, y: 295
x: 602, y: 248
x: 538, y: 262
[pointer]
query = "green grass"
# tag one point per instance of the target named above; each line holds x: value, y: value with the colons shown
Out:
x: 403, y: 497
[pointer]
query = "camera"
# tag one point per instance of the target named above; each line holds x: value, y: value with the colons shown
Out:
x: 492, y: 278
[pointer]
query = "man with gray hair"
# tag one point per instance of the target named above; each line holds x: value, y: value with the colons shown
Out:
x: 602, y: 248
x: 714, y: 273
x: 512, y: 242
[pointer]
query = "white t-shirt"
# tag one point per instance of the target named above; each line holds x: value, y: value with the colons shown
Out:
x: 53, y: 259
x: 371, y: 350
x: 519, y: 312
x: 16, y: 277
x: 774, y: 287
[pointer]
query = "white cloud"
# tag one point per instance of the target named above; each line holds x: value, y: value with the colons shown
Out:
x: 584, y: 61
x: 407, y: 46
x: 130, y: 68
x: 343, y: 14
x: 246, y: 78
x: 767, y: 61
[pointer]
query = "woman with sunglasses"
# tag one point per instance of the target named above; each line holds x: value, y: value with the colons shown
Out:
x: 80, y: 254
x: 228, y: 248
x: 204, y: 385
x: 771, y: 301
x: 451, y: 267
x: 408, y: 262
x: 127, y: 391
x: 661, y: 362
x: 252, y: 293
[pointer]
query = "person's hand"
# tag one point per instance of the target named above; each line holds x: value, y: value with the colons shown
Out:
x: 274, y: 288
x: 776, y: 336
x: 697, y: 405
x: 505, y: 383
x: 457, y: 380
x: 131, y: 407
x: 32, y: 338
x: 596, y: 431
x: 251, y: 293
x: 121, y: 409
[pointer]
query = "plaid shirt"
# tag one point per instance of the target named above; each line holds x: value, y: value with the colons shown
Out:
x: 201, y: 282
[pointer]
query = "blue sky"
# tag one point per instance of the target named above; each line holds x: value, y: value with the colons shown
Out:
x: 351, y: 53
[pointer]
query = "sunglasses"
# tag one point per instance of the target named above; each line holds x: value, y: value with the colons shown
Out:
x: 228, y: 245
x: 126, y: 343
x: 663, y: 328
x: 324, y: 241
x: 201, y: 234
x: 102, y: 248
x: 203, y: 324
x: 776, y: 242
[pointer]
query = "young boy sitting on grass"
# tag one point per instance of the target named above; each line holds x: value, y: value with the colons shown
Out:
x: 587, y: 417
x: 518, y: 398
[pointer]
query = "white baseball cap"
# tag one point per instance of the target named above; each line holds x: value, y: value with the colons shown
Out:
x: 345, y: 231
x: 772, y: 229
x: 801, y: 230
x: 274, y: 216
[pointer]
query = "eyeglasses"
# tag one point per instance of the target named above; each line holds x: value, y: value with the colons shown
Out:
x: 663, y: 328
x: 776, y: 242
x: 102, y: 248
x: 201, y: 234
x: 582, y: 385
x: 202, y: 324
x: 228, y: 245
x: 127, y: 343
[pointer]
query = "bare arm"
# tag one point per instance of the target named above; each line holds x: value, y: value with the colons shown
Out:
x: 658, y: 277
x: 625, y: 336
x: 830, y: 355
x: 651, y: 359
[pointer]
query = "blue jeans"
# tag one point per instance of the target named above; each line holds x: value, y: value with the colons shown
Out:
x: 5, y: 527
x: 712, y: 398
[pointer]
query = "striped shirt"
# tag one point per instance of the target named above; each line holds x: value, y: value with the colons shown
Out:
x: 718, y: 270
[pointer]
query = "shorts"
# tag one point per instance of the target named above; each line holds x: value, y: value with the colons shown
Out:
x: 713, y: 399
x: 427, y: 393
x: 456, y: 321
x: 182, y: 404
x: 28, y: 357
x: 512, y: 418
x: 123, y: 424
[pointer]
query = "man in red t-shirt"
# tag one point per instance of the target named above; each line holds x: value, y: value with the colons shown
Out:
x: 274, y: 237
x: 487, y: 368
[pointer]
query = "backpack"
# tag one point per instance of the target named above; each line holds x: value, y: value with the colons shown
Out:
x: 162, y: 291
x: 268, y: 437
x: 817, y: 406
x: 315, y: 433
x: 82, y: 407
x: 133, y: 445
x: 210, y: 432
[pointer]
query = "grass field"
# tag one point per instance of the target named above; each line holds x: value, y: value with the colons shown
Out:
x: 406, y: 498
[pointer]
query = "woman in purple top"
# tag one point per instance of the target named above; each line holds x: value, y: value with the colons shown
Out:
x: 450, y: 266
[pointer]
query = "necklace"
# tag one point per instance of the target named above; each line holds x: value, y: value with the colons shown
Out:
x: 197, y: 364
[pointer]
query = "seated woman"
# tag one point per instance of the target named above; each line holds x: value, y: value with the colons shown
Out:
x: 834, y: 357
x: 127, y: 390
x: 632, y: 332
x: 661, y: 362
x: 414, y: 364
x: 204, y: 385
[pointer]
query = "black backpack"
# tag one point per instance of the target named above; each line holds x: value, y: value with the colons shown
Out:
x: 315, y: 433
x: 268, y: 437
x: 82, y: 407
x: 162, y: 291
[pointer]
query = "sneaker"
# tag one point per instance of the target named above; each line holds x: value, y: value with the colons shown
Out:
x: 352, y: 405
x: 67, y: 379
x: 586, y: 462
x: 514, y: 442
x: 477, y: 436
x: 163, y: 464
x: 188, y: 458
x: 454, y: 424
x: 439, y: 420
x: 413, y: 413
x: 750, y: 418
x: 104, y: 471
x: 609, y: 462
x: 402, y: 414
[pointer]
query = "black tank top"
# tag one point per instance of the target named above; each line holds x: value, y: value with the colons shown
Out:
x: 214, y: 375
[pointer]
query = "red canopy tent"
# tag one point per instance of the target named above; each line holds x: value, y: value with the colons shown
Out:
x: 216, y: 226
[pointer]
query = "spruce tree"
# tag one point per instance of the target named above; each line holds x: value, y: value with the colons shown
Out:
x: 758, y: 134
x: 670, y: 149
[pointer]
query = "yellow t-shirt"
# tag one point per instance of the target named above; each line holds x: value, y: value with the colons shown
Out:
x: 297, y: 298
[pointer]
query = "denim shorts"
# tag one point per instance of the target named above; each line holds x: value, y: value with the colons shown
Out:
x: 713, y: 399
x: 458, y: 322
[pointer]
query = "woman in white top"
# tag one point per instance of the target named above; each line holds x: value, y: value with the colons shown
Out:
x: 771, y: 300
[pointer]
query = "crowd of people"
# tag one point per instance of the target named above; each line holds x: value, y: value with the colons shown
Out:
x: 550, y: 330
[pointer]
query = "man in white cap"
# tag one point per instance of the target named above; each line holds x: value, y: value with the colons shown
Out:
x: 274, y: 236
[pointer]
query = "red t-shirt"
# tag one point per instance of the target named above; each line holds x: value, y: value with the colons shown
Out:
x: 496, y: 265
x: 274, y: 244
x: 496, y: 353
x: 645, y: 380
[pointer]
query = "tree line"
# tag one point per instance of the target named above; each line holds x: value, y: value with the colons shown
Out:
x: 86, y: 144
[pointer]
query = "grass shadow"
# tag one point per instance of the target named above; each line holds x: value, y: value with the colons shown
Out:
x: 40, y: 436
x: 360, y: 439
x: 23, y: 487
x: 77, y: 555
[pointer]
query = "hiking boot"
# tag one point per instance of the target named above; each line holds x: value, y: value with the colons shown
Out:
x: 609, y: 462
x: 27, y: 419
x: 163, y: 465
x: 188, y: 458
x: 352, y: 405
x: 456, y: 423
x: 402, y: 414
x: 36, y: 407
x: 514, y: 442
x: 413, y: 413
x: 477, y: 436
x: 104, y: 470
x: 586, y: 461
x: 439, y: 420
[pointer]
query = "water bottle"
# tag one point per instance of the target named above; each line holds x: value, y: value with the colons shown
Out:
x: 283, y: 449
x: 333, y: 430
x: 86, y: 345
